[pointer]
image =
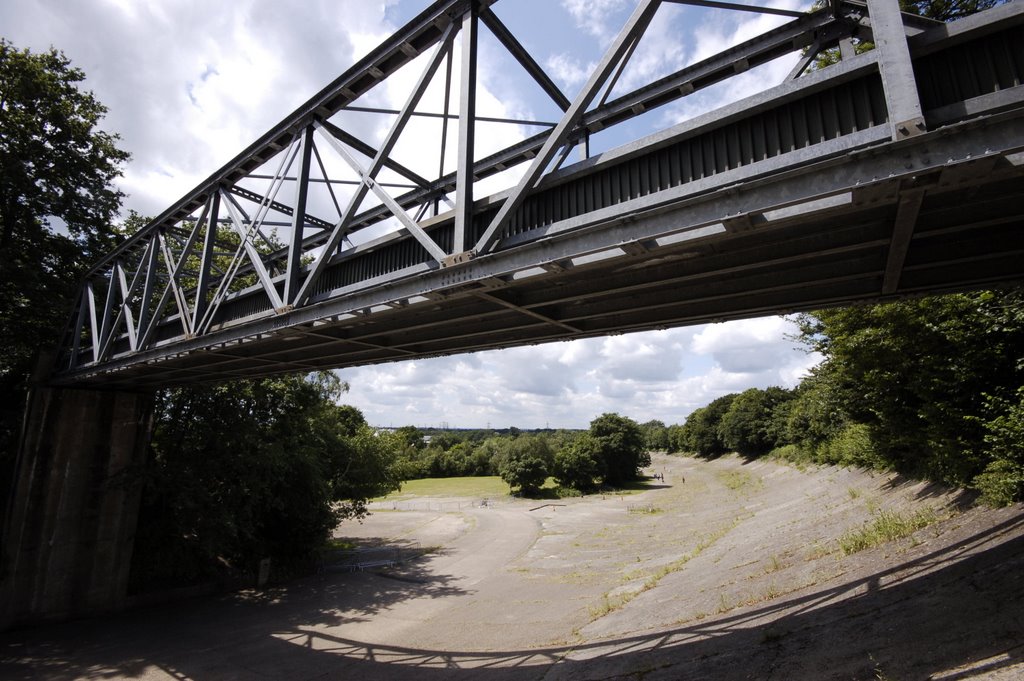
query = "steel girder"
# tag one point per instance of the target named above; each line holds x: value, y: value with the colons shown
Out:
x: 206, y: 290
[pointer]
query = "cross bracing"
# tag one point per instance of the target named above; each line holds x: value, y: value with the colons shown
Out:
x: 893, y: 172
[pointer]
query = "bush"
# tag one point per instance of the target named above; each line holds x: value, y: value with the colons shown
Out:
x: 1001, y: 483
x: 851, y: 447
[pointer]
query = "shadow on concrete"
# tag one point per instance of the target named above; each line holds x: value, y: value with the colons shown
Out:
x: 957, y: 607
x: 961, y: 499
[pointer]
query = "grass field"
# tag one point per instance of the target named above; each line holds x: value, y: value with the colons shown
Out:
x: 491, y: 487
x: 488, y: 487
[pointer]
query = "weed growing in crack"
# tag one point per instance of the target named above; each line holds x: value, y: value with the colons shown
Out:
x: 886, y: 526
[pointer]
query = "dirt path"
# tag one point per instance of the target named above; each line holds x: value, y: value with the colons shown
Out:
x: 730, y: 570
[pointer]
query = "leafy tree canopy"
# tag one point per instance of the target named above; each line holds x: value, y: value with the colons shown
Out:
x: 701, y: 434
x: 579, y: 463
x: 918, y: 373
x: 525, y: 471
x: 57, y: 204
x: 622, y: 447
x: 749, y: 426
x: 249, y: 469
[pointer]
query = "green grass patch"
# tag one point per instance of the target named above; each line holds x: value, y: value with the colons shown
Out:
x: 737, y: 480
x: 886, y: 526
x: 488, y: 487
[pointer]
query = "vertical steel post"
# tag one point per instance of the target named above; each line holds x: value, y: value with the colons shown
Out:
x: 901, y: 95
x: 294, y: 266
x: 630, y: 33
x: 467, y: 125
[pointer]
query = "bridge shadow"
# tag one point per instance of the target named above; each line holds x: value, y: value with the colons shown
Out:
x: 957, y: 611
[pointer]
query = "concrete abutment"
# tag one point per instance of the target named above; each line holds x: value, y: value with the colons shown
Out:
x: 70, y: 524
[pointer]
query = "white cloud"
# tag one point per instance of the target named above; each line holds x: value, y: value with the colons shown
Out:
x: 763, y: 351
x: 568, y: 70
x: 189, y: 86
x: 596, y: 16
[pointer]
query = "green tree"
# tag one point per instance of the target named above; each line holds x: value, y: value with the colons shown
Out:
x: 495, y: 450
x: 580, y: 463
x: 350, y: 419
x: 817, y: 412
x: 749, y: 426
x: 524, y: 471
x: 411, y: 437
x: 940, y: 10
x: 921, y: 374
x: 946, y: 10
x: 622, y: 447
x: 677, y: 439
x: 656, y: 437
x: 248, y: 469
x: 702, y: 434
x: 57, y: 204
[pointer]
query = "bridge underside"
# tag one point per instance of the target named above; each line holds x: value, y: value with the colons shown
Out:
x: 931, y: 228
x: 811, y: 194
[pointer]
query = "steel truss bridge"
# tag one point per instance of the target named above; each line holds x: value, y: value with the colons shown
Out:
x: 893, y: 172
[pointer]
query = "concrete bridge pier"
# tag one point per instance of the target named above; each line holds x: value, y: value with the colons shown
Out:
x: 70, y: 523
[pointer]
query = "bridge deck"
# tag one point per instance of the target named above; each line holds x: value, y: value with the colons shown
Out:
x: 809, y: 194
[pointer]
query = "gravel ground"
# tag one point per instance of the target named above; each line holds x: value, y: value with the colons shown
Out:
x: 728, y: 570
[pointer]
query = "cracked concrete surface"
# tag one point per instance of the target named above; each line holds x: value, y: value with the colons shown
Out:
x: 729, y: 570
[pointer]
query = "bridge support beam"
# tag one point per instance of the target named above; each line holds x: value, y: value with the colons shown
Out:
x: 70, y: 522
x: 901, y: 95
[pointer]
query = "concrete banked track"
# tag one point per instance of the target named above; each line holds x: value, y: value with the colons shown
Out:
x: 837, y: 186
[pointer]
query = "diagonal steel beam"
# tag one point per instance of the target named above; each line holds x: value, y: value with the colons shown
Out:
x: 174, y: 268
x: 254, y: 256
x: 126, y: 308
x: 522, y: 310
x: 206, y: 262
x: 94, y: 326
x: 907, y: 211
x: 527, y: 61
x: 417, y: 232
x: 342, y: 227
x: 368, y: 151
x: 634, y: 27
x: 715, y: 4
x: 295, y: 251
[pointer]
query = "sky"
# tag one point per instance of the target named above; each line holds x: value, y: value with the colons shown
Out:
x: 189, y: 84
